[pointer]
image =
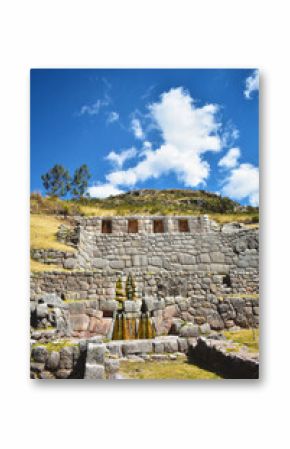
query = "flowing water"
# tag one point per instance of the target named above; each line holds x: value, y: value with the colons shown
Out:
x: 126, y: 328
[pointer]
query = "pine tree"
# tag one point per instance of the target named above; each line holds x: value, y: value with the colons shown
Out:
x: 56, y: 181
x: 80, y: 181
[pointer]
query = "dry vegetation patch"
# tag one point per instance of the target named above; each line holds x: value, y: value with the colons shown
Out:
x: 38, y: 267
x: 43, y: 229
x: 150, y: 202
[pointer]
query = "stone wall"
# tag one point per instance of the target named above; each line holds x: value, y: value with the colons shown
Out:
x: 204, y: 301
x: 101, y: 285
x: 186, y: 271
x: 65, y: 363
x: 213, y: 355
x: 120, y: 225
x: 204, y: 246
x: 51, y: 256
x: 93, y: 359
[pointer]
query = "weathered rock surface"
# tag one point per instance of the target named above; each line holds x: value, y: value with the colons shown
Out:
x: 212, y: 355
x: 94, y: 371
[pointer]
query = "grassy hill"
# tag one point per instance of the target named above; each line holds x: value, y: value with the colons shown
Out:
x: 149, y: 202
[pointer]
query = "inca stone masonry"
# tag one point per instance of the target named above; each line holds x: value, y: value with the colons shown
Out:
x: 190, y: 269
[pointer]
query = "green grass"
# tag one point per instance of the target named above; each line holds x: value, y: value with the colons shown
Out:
x: 232, y: 349
x: 245, y: 337
x: 164, y: 370
x: 55, y: 346
x: 246, y: 217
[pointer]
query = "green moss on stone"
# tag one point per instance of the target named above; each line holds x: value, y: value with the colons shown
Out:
x: 55, y: 345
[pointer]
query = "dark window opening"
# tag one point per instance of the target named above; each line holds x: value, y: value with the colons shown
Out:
x: 107, y: 314
x: 183, y: 226
x: 133, y: 226
x: 106, y: 226
x: 227, y: 280
x: 158, y: 226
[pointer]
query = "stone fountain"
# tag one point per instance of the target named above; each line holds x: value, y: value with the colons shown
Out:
x: 132, y: 320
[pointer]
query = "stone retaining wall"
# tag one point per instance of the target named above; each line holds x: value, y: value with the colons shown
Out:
x: 93, y: 359
x: 207, y: 249
x: 66, y: 363
x: 101, y: 285
x: 204, y: 246
x: 179, y: 315
x: 212, y: 355
x: 120, y: 225
x: 52, y: 256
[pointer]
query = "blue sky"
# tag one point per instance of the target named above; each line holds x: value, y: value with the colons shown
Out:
x: 148, y: 128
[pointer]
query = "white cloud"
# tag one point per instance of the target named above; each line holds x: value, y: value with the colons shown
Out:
x: 188, y: 132
x: 147, y: 145
x: 148, y: 92
x: 230, y: 160
x: 94, y: 108
x: 230, y: 134
x: 119, y: 158
x: 252, y: 84
x: 137, y: 129
x: 113, y: 117
x: 243, y: 182
x: 104, y: 190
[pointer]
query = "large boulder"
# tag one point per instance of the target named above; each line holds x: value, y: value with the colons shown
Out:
x: 115, y: 348
x: 149, y: 303
x: 41, y: 311
x: 66, y: 358
x: 170, y: 344
x: 137, y: 347
x: 51, y: 299
x: 70, y: 263
x: 101, y: 326
x: 108, y: 305
x: 189, y: 330
x: 94, y: 371
x: 96, y: 353
x: 112, y: 366
x: 165, y: 344
x: 132, y: 306
x: 77, y: 307
x: 79, y: 322
x: 39, y: 354
x: 52, y: 362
